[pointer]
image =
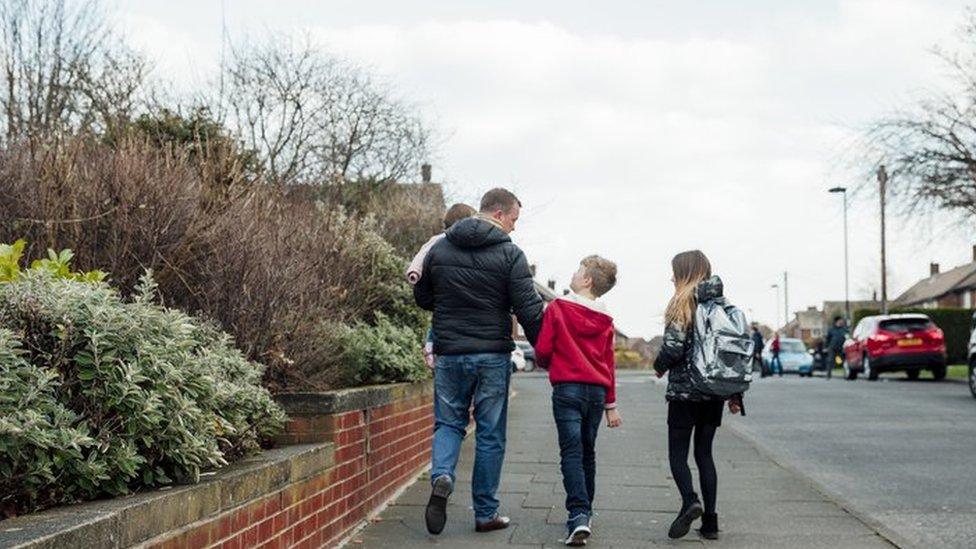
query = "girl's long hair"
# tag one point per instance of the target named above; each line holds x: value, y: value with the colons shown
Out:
x: 689, y: 268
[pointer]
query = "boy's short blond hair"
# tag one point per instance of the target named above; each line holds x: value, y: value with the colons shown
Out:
x: 602, y: 272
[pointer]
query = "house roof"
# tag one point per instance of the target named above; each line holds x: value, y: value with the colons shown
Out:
x: 938, y: 285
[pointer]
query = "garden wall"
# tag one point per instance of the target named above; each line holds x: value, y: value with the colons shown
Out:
x: 349, y: 452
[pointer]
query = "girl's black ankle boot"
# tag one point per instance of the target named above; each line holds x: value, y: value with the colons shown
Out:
x: 709, y: 527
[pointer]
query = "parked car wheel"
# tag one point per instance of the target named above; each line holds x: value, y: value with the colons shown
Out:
x: 972, y: 378
x: 939, y: 372
x: 912, y: 374
x: 868, y: 370
x: 850, y: 374
x: 529, y: 365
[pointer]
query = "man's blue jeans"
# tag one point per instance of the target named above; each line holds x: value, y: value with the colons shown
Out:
x: 459, y: 379
x: 578, y: 410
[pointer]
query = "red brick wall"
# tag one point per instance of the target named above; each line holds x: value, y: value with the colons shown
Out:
x: 377, y: 451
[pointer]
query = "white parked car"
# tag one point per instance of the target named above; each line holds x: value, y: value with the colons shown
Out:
x: 518, y: 360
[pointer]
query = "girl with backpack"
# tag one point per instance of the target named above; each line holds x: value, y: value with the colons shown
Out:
x: 692, y: 412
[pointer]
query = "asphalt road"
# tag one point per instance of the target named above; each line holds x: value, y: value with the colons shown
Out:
x: 900, y: 455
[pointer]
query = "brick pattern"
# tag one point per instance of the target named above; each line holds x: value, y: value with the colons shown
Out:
x: 377, y: 451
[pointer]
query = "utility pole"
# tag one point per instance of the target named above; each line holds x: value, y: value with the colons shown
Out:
x: 882, y: 183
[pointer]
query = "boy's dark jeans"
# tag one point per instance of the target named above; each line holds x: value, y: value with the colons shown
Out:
x: 578, y: 410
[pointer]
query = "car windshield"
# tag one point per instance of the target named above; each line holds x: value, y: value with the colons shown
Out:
x: 792, y: 347
x: 906, y: 324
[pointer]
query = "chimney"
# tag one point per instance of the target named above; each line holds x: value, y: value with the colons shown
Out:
x: 874, y: 295
x: 933, y: 269
x: 551, y: 284
x: 532, y: 270
x: 974, y: 252
x: 425, y: 173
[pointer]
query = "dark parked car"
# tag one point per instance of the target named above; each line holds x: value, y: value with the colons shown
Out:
x: 906, y: 343
x: 529, y: 353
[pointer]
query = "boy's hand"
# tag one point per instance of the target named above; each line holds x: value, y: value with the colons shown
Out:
x: 613, y: 418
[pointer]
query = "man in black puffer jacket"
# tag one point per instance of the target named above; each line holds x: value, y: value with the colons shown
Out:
x: 473, y: 280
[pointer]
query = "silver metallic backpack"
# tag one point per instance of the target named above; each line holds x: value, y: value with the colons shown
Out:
x: 721, y: 361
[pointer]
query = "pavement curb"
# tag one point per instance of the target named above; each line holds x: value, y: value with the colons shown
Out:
x: 866, y: 517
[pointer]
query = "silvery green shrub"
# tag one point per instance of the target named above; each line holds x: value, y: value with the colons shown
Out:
x: 101, y: 396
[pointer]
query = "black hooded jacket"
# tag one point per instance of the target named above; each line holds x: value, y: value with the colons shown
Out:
x: 675, y: 354
x: 473, y: 281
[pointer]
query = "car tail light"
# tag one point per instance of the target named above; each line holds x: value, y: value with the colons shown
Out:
x: 881, y: 337
x: 936, y: 334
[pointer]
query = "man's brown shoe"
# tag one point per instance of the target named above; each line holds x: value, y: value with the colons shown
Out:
x: 497, y: 523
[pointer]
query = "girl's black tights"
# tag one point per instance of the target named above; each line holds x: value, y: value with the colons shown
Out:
x: 679, y: 441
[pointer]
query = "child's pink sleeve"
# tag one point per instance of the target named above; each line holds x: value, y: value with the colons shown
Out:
x: 416, y: 268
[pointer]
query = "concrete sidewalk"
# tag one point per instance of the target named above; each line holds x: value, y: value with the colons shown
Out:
x: 760, y: 504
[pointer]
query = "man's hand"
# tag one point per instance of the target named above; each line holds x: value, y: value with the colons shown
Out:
x: 659, y: 374
x: 613, y: 418
x: 735, y: 405
x: 428, y: 351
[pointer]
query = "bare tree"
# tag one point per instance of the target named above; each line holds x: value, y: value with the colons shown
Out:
x: 930, y: 149
x: 62, y: 68
x: 316, y: 119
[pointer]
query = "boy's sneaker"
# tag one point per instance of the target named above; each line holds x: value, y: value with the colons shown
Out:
x: 436, y: 514
x: 681, y: 525
x: 578, y: 530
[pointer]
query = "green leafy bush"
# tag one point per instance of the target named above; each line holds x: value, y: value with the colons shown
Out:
x: 381, y: 352
x: 102, y: 396
x: 955, y: 324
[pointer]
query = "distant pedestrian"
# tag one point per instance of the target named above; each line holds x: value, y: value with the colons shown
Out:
x: 473, y: 280
x: 775, y: 365
x: 757, y: 349
x: 836, y: 336
x: 691, y: 412
x: 576, y: 345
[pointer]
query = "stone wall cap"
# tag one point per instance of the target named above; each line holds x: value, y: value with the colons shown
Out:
x: 128, y: 520
x: 355, y: 398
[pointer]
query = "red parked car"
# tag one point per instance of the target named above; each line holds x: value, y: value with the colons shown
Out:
x: 906, y: 343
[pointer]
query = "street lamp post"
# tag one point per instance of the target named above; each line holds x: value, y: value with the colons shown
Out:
x: 776, y: 287
x: 847, y: 296
x: 882, y: 183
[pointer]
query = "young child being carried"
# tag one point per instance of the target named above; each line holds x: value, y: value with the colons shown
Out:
x: 576, y: 345
x: 453, y: 214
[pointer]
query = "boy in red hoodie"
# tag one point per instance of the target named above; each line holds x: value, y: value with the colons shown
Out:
x: 576, y: 345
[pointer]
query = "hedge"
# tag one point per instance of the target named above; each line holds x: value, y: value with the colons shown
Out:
x: 956, y: 323
x: 101, y: 396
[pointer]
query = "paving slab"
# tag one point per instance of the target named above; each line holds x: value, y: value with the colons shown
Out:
x: 760, y: 503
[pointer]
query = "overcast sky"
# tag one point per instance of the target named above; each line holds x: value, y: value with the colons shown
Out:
x: 638, y: 129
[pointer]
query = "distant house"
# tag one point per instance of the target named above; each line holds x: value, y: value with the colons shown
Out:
x: 812, y: 324
x: 953, y: 288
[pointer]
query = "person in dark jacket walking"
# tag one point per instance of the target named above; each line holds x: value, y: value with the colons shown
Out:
x: 836, y: 336
x: 757, y: 349
x: 473, y: 280
x: 691, y: 412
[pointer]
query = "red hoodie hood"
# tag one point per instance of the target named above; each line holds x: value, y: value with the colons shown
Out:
x: 585, y: 317
x: 576, y: 344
